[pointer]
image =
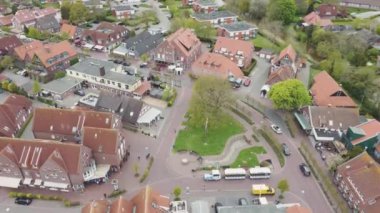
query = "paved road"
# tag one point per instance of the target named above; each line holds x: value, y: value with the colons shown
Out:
x: 161, y: 15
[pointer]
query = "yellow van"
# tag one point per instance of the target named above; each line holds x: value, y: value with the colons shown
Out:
x: 262, y: 189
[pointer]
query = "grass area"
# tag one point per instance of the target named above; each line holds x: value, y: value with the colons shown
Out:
x: 146, y: 17
x: 265, y: 43
x: 145, y: 5
x: 247, y: 157
x: 194, y: 138
x: 272, y: 141
x: 357, y: 10
x: 327, y: 185
x: 53, y: 5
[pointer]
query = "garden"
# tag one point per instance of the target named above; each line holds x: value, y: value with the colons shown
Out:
x: 248, y: 157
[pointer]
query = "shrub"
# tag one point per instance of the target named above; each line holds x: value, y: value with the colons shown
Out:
x: 116, y: 193
x: 74, y: 61
x: 144, y: 176
x: 255, y: 138
x: 241, y: 115
x: 12, y: 194
x: 69, y: 203
x: 248, y: 70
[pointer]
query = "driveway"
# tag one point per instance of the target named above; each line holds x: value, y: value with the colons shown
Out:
x: 161, y: 15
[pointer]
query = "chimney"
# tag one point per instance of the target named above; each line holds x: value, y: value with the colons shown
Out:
x: 102, y: 71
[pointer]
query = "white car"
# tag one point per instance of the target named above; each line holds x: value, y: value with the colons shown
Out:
x: 276, y: 129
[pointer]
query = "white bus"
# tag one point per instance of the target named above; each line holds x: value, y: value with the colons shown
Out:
x: 259, y: 173
x: 238, y: 173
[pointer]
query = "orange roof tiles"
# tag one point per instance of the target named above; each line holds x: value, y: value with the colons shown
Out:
x: 100, y: 139
x: 314, y: 19
x: 69, y: 29
x: 370, y: 129
x: 298, y: 209
x: 233, y: 46
x: 289, y: 52
x: 28, y: 48
x: 281, y: 74
x: 184, y: 39
x: 6, y: 20
x: 121, y: 205
x: 327, y: 92
x: 215, y: 64
x: 51, y: 50
x: 96, y: 206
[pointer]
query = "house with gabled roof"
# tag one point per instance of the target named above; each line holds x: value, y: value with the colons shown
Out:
x: 47, y: 24
x: 287, y: 56
x: 28, y: 17
x: 313, y: 19
x: 327, y: 92
x: 357, y: 181
x: 283, y: 73
x: 44, y: 164
x: 216, y: 65
x: 238, y: 51
x: 181, y: 48
x: 205, y: 6
x: 71, y: 30
x: 146, y: 201
x: 26, y: 51
x: 14, y: 114
x: 325, y: 123
x: 365, y: 135
x: 8, y: 44
x: 123, y: 11
x: 6, y: 20
x: 328, y: 11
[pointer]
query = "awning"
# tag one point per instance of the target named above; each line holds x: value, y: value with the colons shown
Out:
x: 27, y: 181
x: 37, y: 182
x: 56, y: 185
x: 10, y: 182
x: 301, y: 120
x: 101, y: 171
x: 149, y: 116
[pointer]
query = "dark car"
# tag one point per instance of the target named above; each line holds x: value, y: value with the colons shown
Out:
x: 79, y: 92
x: 285, y: 149
x: 23, y: 201
x: 117, y: 61
x: 217, y: 204
x: 143, y: 65
x: 305, y: 169
x: 126, y: 63
x: 243, y: 202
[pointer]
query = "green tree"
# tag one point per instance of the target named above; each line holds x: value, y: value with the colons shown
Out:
x: 282, y: 10
x: 36, y: 87
x: 144, y: 57
x: 59, y: 74
x: 4, y: 84
x: 202, y: 30
x: 65, y: 9
x: 258, y: 9
x: 12, y: 87
x: 177, y: 191
x: 78, y: 12
x: 283, y: 186
x: 34, y: 33
x: 378, y: 30
x: 302, y: 6
x: 210, y: 95
x: 6, y: 62
x: 289, y: 95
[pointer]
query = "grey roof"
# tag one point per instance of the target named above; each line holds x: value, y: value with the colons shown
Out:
x: 333, y: 117
x: 130, y: 109
x: 91, y: 66
x: 47, y: 23
x: 270, y: 208
x: 213, y: 15
x: 61, y: 85
x: 108, y: 102
x: 122, y: 7
x: 143, y: 42
x: 207, y: 3
x: 238, y: 26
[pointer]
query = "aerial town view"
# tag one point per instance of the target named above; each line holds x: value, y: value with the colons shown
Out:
x: 189, y: 106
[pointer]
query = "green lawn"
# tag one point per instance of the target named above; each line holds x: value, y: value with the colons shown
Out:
x: 53, y: 5
x: 357, y: 10
x: 194, y: 139
x: 247, y: 157
x: 265, y: 43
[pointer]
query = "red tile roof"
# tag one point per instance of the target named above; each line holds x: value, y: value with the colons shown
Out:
x: 51, y: 50
x: 9, y: 43
x: 314, y: 19
x: 327, y: 10
x: 101, y: 140
x: 289, y: 52
x: 69, y: 29
x: 281, y: 74
x: 121, y: 205
x: 6, y: 20
x: 18, y: 100
x: 215, y: 64
x: 370, y: 129
x: 184, y: 39
x: 298, y: 209
x: 96, y: 206
x: 27, y: 49
x: 361, y: 175
x: 233, y: 46
x: 143, y: 88
x: 327, y: 92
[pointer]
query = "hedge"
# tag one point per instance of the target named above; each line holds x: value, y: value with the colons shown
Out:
x: 242, y: 115
x: 116, y: 193
x: 147, y: 170
x: 249, y: 69
x: 66, y: 202
x: 274, y: 144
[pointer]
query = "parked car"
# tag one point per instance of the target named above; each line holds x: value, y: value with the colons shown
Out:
x: 23, y: 201
x: 247, y: 82
x: 217, y: 204
x: 276, y: 129
x: 213, y: 175
x: 126, y: 63
x: 305, y: 169
x: 143, y: 65
x: 22, y: 72
x: 79, y: 92
x: 117, y: 61
x: 285, y: 149
x: 243, y: 202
